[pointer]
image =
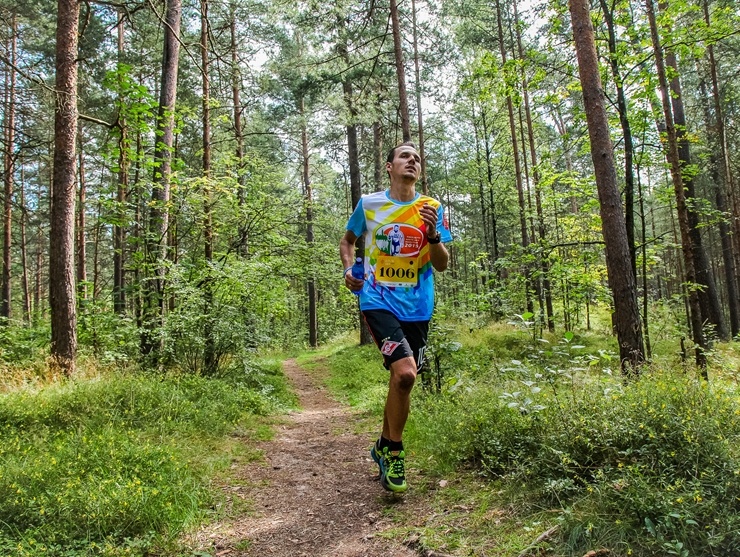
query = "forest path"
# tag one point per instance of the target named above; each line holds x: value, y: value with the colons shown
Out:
x: 316, y: 493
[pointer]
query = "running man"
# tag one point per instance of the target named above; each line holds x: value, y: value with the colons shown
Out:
x: 397, y: 293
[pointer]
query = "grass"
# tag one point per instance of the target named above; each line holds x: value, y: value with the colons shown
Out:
x: 527, y: 435
x: 121, y: 464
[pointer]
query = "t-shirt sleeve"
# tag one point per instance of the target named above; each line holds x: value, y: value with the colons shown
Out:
x: 356, y: 223
x: 444, y: 231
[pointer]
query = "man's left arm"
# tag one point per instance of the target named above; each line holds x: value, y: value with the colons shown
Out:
x: 439, y: 256
x: 438, y: 253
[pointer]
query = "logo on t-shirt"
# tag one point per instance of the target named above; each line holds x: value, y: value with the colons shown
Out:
x: 399, y: 239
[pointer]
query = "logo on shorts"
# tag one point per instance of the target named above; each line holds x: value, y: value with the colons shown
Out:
x: 420, y: 360
x: 389, y: 346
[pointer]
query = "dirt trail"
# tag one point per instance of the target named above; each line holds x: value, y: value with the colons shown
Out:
x: 299, y: 510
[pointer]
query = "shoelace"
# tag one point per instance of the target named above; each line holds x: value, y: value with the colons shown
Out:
x: 396, y: 466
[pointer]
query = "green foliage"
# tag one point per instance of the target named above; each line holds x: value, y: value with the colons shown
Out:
x: 119, y: 464
x: 20, y: 345
x: 648, y: 467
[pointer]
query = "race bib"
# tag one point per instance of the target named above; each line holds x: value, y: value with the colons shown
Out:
x: 397, y: 271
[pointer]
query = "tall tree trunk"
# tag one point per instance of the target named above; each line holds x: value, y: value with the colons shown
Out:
x: 81, y: 244
x: 137, y: 232
x: 645, y: 286
x: 489, y: 180
x: 629, y: 175
x: 727, y: 187
x: 481, y: 185
x: 210, y: 362
x: 723, y: 183
x: 672, y: 154
x: 119, y: 230
x: 708, y: 295
x: 61, y: 252
x: 377, y: 157
x: 424, y: 180
x: 355, y: 175
x: 38, y: 309
x: 517, y: 165
x: 400, y: 72
x: 156, y: 240
x: 24, y: 249
x: 8, y: 172
x: 236, y: 85
x: 620, y: 276
x: 544, y: 263
x: 313, y: 322
x: 96, y: 282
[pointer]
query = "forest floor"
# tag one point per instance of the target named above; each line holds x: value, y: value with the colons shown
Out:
x: 315, y: 492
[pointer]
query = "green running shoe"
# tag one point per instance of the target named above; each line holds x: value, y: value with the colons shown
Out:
x: 377, y: 456
x: 393, y: 471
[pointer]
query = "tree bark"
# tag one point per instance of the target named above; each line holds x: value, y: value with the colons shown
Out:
x: 158, y: 214
x: 24, y: 248
x: 377, y: 156
x: 629, y: 174
x: 210, y: 363
x: 544, y: 264
x: 313, y: 322
x: 61, y: 252
x: 722, y: 186
x: 81, y: 224
x: 708, y: 295
x: 236, y: 83
x: 353, y: 153
x: 119, y: 230
x: 8, y: 172
x: 620, y: 276
x: 517, y: 166
x: 424, y: 180
x: 695, y: 314
x: 400, y: 72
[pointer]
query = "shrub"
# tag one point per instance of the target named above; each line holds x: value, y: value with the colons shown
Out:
x: 109, y: 466
x: 657, y: 458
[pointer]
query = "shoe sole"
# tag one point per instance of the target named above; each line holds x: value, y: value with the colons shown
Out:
x: 392, y: 488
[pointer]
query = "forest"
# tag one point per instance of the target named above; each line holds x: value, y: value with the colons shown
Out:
x: 177, y: 175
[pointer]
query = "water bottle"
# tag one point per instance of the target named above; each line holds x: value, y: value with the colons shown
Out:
x: 358, y: 272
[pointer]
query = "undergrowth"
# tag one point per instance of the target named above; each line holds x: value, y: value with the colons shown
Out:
x: 121, y: 464
x: 649, y: 467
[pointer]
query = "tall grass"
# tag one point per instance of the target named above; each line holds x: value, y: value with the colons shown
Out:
x: 647, y: 467
x: 122, y: 463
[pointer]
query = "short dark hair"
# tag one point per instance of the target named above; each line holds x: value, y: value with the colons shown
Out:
x: 392, y: 152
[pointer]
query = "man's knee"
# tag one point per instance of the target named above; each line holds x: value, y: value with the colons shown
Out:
x: 404, y: 373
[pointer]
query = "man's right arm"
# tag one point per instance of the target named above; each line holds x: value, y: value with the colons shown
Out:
x: 347, y: 254
x: 347, y: 249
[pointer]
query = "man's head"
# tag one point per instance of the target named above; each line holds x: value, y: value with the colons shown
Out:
x: 403, y: 163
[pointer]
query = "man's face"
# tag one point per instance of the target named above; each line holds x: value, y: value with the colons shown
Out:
x: 406, y: 164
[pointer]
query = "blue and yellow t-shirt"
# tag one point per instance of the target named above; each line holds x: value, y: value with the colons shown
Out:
x: 398, y: 269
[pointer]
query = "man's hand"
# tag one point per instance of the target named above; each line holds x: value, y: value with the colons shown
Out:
x: 354, y: 284
x: 429, y: 216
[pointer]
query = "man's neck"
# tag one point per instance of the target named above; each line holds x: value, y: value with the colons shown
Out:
x: 403, y: 192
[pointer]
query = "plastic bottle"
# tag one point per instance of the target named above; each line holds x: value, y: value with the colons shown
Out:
x: 358, y: 272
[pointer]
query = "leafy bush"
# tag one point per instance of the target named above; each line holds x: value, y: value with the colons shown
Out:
x: 649, y: 467
x: 659, y: 456
x: 109, y: 466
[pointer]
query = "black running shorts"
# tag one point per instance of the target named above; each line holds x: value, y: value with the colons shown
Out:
x: 397, y: 339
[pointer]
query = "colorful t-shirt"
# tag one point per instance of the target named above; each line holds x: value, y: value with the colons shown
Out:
x: 398, y: 268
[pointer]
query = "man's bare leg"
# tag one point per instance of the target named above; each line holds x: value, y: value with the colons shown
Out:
x: 398, y: 401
